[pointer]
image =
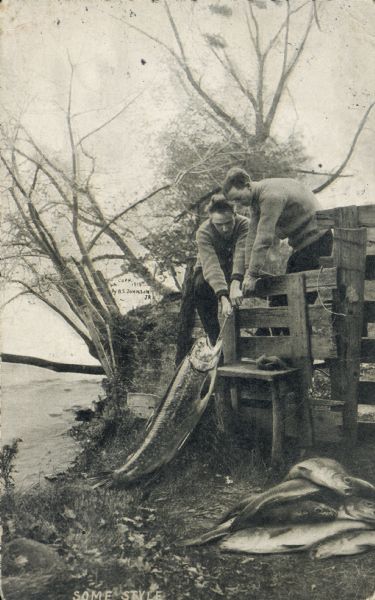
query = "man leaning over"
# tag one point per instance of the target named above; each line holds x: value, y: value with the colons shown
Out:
x: 284, y: 208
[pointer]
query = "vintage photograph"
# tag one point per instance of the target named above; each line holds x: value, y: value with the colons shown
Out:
x: 187, y: 299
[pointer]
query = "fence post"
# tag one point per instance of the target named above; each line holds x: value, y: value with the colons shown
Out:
x: 227, y: 389
x: 301, y: 353
x: 350, y: 258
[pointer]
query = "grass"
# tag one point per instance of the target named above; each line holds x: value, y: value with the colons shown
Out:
x: 125, y: 539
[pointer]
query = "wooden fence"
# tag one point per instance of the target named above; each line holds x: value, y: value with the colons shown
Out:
x: 349, y: 277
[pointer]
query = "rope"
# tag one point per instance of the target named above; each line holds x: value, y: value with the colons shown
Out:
x: 321, y: 300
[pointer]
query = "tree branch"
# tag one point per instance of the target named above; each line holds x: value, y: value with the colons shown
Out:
x: 337, y: 173
x: 108, y: 224
x: 97, y: 129
x: 286, y: 72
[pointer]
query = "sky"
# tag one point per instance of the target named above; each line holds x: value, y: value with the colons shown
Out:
x: 115, y: 65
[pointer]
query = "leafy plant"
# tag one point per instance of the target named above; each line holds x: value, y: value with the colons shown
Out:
x: 8, y: 454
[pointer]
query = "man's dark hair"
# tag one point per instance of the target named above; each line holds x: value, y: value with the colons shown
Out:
x: 220, y: 204
x: 236, y: 177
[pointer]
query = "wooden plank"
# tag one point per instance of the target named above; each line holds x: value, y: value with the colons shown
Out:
x: 301, y: 353
x: 246, y: 370
x: 370, y: 268
x: 368, y: 350
x: 326, y: 218
x: 253, y: 347
x: 346, y: 216
x: 350, y: 255
x: 327, y: 424
x: 254, y: 391
x: 278, y: 316
x: 230, y: 335
x: 329, y: 217
x: 370, y: 249
x: 366, y: 215
x: 367, y: 391
x: 369, y: 311
x: 327, y: 261
x: 369, y: 293
x: 272, y: 286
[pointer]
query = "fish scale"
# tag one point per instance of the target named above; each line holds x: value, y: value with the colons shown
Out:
x: 174, y: 419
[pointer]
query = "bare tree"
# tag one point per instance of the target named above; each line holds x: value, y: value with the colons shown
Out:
x: 259, y: 97
x: 54, y: 240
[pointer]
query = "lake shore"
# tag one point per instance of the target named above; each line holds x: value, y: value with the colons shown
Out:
x: 38, y: 407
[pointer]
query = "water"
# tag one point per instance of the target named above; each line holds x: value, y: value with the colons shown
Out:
x: 38, y: 407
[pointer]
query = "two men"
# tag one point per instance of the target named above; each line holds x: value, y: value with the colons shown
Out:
x: 232, y: 251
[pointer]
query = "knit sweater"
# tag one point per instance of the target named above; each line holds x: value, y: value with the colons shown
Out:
x: 222, y: 260
x: 283, y: 208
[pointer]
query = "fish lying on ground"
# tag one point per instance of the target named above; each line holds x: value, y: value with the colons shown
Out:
x: 296, y: 538
x: 345, y: 544
x: 278, y: 494
x: 360, y: 509
x: 298, y: 511
x: 331, y: 474
x: 175, y: 418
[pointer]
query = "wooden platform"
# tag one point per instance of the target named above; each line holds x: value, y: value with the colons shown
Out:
x: 249, y: 370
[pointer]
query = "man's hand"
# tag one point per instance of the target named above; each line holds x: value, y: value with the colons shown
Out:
x: 235, y: 294
x: 248, y: 286
x: 225, y: 306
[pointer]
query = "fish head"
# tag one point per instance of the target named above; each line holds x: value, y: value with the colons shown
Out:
x: 342, y: 483
x: 204, y: 356
x: 361, y: 508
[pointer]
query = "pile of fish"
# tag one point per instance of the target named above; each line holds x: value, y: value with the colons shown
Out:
x: 318, y: 507
x: 176, y: 417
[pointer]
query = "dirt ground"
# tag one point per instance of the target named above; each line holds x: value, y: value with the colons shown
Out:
x: 127, y: 540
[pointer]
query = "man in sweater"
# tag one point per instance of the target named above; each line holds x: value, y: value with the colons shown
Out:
x: 283, y: 208
x: 220, y: 265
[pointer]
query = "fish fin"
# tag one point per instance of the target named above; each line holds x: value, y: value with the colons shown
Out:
x: 103, y: 479
x: 280, y: 531
x: 206, y: 397
x: 305, y: 471
x: 149, y: 422
x: 184, y: 439
x: 209, y: 536
x: 363, y: 547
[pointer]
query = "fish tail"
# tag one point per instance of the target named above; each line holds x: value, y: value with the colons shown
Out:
x: 101, y: 480
x: 209, y: 536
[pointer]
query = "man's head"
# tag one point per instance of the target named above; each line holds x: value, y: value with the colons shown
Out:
x: 237, y: 186
x: 222, y: 215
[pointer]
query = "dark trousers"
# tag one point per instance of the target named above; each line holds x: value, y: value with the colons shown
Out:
x: 306, y: 259
x: 207, y: 306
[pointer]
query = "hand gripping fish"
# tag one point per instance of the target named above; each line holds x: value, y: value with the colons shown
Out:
x: 176, y: 417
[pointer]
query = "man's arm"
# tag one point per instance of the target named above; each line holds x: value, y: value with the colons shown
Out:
x: 251, y: 234
x: 238, y: 269
x: 212, y: 271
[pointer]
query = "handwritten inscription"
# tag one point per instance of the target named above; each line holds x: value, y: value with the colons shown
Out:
x: 127, y: 286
